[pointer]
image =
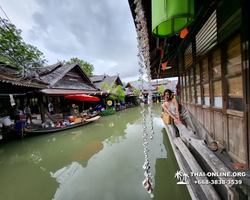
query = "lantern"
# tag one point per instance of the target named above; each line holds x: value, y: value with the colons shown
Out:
x: 169, y: 17
x: 131, y: 84
x: 157, y: 87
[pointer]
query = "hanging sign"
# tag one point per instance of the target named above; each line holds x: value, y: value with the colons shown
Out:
x: 109, y: 103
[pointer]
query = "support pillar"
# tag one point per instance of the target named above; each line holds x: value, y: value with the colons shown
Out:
x: 41, y: 107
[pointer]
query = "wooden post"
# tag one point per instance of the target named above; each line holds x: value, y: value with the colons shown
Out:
x: 245, y: 31
x: 41, y: 107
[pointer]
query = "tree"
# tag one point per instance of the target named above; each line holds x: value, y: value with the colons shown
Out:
x: 117, y: 93
x: 87, y: 67
x: 136, y: 92
x: 161, y: 89
x: 15, y: 52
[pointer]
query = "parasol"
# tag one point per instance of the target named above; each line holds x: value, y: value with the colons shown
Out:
x: 82, y: 97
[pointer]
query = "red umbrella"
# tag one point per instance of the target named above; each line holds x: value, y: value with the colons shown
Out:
x: 82, y: 97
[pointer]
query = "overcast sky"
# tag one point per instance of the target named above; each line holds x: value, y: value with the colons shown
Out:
x: 97, y: 31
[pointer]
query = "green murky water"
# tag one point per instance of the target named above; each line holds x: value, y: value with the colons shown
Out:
x: 100, y: 161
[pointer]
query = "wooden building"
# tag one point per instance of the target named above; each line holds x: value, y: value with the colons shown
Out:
x: 98, y: 80
x: 212, y: 63
x: 137, y: 85
x: 65, y: 80
x: 12, y: 82
x: 167, y: 85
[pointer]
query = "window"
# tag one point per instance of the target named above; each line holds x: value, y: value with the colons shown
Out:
x: 183, y: 89
x: 205, y: 74
x: 33, y: 101
x: 197, y: 83
x: 234, y: 75
x: 205, y: 79
x: 216, y: 64
x: 206, y: 94
x: 187, y: 86
x: 192, y: 94
x: 73, y: 79
x: 216, y: 79
x: 217, y: 94
x: 234, y: 56
x: 235, y: 93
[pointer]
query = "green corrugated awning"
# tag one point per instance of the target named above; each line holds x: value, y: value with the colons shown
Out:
x: 169, y: 17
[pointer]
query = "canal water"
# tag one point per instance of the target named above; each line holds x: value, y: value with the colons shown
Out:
x: 99, y: 161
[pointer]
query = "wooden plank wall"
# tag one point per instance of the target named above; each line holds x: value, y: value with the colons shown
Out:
x: 227, y: 126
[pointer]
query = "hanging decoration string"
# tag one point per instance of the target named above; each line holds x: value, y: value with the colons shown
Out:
x: 144, y: 59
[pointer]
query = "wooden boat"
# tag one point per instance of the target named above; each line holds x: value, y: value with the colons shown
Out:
x: 41, y: 130
x: 93, y: 119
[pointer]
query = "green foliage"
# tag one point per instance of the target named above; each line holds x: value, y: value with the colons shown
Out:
x: 109, y: 111
x: 136, y: 92
x: 161, y: 89
x: 116, y: 95
x: 14, y: 51
x: 87, y: 67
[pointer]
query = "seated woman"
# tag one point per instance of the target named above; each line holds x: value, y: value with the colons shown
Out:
x: 182, y: 117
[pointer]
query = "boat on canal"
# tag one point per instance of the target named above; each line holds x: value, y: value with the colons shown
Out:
x: 33, y: 129
x: 42, y: 130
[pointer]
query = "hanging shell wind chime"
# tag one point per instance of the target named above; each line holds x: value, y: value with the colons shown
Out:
x: 143, y: 54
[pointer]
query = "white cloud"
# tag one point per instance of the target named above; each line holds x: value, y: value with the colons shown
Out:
x: 99, y: 32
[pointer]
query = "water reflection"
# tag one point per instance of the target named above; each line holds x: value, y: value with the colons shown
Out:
x: 96, y: 161
x: 169, y: 166
x: 63, y: 175
x: 87, y: 151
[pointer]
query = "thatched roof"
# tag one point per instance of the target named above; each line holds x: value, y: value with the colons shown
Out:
x: 100, y: 79
x: 97, y: 78
x: 49, y: 68
x: 62, y: 84
x: 137, y: 85
x: 167, y: 85
x: 54, y: 73
x: 11, y: 75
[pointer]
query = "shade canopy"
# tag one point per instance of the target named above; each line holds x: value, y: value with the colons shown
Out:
x: 169, y: 17
x: 82, y: 97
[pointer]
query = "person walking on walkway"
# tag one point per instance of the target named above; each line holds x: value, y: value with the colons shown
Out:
x: 27, y: 112
x: 51, y: 108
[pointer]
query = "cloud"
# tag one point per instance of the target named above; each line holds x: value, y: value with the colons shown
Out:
x: 99, y: 32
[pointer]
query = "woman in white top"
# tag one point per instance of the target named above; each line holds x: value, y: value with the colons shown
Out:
x: 182, y: 117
